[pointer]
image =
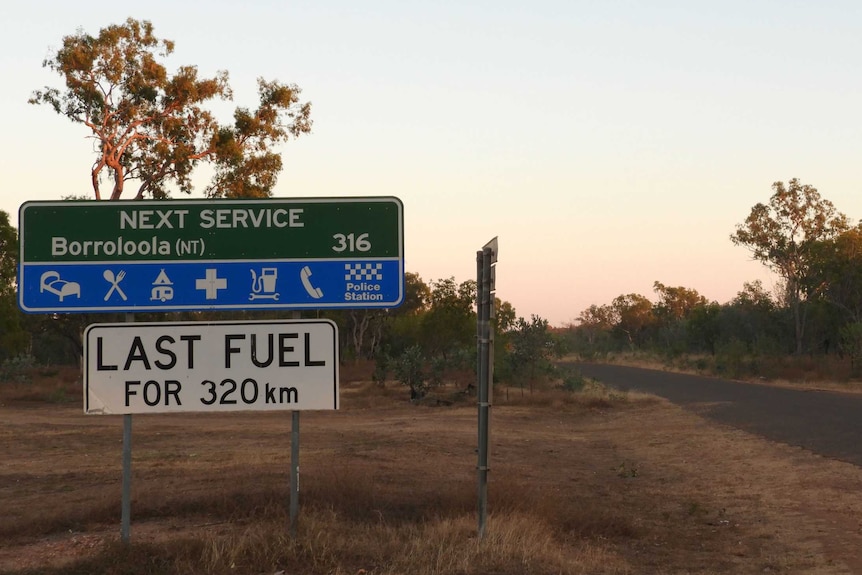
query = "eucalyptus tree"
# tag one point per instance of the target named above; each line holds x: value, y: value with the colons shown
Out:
x: 676, y: 303
x: 836, y: 272
x: 783, y: 235
x: 595, y: 321
x: 533, y: 348
x: 449, y: 325
x: 13, y: 338
x: 8, y: 254
x: 152, y: 127
x: 635, y: 317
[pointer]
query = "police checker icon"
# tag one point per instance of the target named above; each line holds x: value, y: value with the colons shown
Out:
x: 363, y: 282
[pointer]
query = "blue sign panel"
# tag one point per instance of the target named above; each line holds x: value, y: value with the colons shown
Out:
x: 307, y: 253
x: 175, y: 286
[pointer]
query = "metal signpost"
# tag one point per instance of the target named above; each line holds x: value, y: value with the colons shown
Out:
x: 182, y: 255
x: 167, y: 367
x: 186, y: 255
x: 486, y: 259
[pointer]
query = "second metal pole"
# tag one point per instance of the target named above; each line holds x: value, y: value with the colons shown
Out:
x: 294, y: 472
x: 126, y: 504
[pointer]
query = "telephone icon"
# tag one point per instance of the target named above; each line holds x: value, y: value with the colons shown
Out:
x: 314, y: 292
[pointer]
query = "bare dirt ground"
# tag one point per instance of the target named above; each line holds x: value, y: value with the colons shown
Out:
x: 639, y: 485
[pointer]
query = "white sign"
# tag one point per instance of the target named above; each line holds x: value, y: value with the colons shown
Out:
x: 210, y: 366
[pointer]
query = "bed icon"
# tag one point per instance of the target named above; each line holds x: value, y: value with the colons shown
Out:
x: 50, y: 281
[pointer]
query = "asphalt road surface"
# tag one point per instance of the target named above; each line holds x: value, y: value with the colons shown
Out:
x: 823, y: 422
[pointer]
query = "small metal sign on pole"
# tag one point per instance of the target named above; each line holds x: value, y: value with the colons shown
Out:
x: 485, y: 280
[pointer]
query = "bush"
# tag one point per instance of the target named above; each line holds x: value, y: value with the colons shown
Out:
x: 573, y: 379
x: 409, y: 370
x: 730, y: 358
x: 17, y: 369
x: 381, y: 369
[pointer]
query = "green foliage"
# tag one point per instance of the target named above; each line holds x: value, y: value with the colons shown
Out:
x: 404, y: 331
x: 634, y: 318
x: 766, y: 324
x: 836, y: 273
x: 13, y: 338
x: 437, y: 331
x: 730, y: 358
x: 450, y: 323
x: 572, y: 378
x: 784, y: 236
x: 676, y: 303
x: 504, y: 315
x: 57, y: 338
x: 409, y: 368
x: 381, y: 369
x: 417, y: 296
x: 17, y: 369
x: 704, y: 328
x: 437, y: 371
x: 532, y: 347
x: 8, y: 254
x: 153, y: 127
x: 851, y: 344
x: 595, y: 324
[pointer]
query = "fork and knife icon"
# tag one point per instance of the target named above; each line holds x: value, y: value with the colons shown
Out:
x: 115, y: 283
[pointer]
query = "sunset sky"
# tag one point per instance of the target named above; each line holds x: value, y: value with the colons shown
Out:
x: 607, y: 144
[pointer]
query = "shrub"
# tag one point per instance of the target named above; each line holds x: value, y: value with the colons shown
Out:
x: 409, y: 370
x: 381, y: 369
x: 573, y: 379
x: 17, y: 369
x: 730, y: 358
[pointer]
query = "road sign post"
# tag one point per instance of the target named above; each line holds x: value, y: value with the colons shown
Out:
x: 164, y: 367
x: 486, y: 260
x: 160, y: 256
x: 181, y: 255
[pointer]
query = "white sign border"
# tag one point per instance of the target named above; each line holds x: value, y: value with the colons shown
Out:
x: 90, y: 351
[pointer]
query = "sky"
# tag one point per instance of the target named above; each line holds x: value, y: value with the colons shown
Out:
x: 608, y: 145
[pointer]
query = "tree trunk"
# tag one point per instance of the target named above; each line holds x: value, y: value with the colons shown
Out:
x: 798, y: 320
x: 360, y: 325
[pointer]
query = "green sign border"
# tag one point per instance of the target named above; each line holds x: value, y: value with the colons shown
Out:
x: 200, y: 230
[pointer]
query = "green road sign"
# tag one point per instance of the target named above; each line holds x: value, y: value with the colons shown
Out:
x: 125, y: 231
x: 83, y: 256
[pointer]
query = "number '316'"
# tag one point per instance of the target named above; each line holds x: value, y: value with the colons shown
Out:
x: 351, y: 243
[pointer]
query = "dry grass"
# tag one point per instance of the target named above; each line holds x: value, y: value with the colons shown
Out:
x: 594, y: 482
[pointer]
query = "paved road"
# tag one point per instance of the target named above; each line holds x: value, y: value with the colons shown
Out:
x: 824, y: 422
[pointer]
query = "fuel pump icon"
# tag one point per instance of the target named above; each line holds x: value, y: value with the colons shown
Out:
x: 263, y: 285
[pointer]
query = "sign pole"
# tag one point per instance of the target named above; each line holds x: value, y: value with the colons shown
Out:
x: 294, y: 462
x: 482, y: 465
x: 126, y: 514
x: 485, y: 259
x: 294, y: 472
